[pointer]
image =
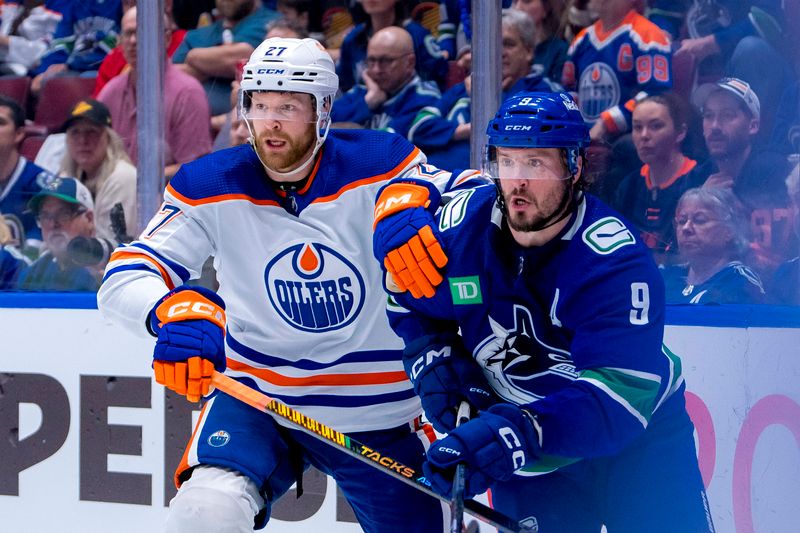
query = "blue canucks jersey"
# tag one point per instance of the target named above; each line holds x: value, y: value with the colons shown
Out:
x: 25, y: 182
x: 573, y: 329
x: 395, y: 115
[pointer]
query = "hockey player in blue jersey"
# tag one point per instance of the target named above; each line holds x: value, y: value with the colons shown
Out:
x: 550, y: 299
x: 299, y: 310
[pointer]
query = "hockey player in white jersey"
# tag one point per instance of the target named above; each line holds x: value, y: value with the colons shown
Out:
x: 299, y: 310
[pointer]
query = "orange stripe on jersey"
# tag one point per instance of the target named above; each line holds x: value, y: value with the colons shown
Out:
x: 184, y: 465
x: 330, y: 380
x: 219, y: 198
x: 374, y: 179
x: 134, y: 255
x: 462, y: 179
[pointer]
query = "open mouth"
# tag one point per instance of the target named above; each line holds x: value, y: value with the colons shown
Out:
x: 275, y: 143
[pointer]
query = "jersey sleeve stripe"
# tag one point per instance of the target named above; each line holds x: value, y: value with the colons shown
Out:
x: 124, y: 268
x: 220, y: 198
x: 182, y: 272
x: 635, y: 391
x: 366, y: 356
x: 396, y: 171
x: 320, y: 380
x: 122, y: 256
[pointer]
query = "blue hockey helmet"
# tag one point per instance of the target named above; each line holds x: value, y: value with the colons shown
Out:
x: 539, y: 120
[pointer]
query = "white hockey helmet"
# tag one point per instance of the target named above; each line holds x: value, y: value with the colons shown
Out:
x: 292, y: 65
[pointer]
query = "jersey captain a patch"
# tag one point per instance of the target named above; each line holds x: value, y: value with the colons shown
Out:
x: 314, y: 288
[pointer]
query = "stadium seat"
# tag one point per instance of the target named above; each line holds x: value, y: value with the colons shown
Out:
x: 58, y: 96
x: 684, y: 73
x: 455, y: 74
x: 30, y: 146
x: 16, y: 87
x: 427, y: 15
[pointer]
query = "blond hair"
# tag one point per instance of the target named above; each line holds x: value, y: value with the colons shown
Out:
x: 115, y: 150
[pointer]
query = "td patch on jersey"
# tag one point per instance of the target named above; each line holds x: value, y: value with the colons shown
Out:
x: 314, y: 288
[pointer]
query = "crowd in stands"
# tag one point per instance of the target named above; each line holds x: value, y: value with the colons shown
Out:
x: 694, y: 108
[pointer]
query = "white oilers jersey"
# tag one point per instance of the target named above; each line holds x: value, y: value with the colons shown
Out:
x: 305, y: 307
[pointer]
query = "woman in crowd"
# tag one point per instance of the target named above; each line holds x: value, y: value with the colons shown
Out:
x: 96, y: 156
x: 711, y: 231
x: 648, y: 197
x: 551, y: 49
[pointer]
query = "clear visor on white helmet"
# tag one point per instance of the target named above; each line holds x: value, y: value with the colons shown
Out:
x: 522, y: 163
x: 290, y: 107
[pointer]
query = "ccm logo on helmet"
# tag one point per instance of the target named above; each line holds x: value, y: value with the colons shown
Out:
x: 517, y: 127
x: 270, y: 71
x: 200, y: 308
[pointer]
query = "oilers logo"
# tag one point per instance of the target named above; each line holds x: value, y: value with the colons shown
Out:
x: 598, y: 89
x: 520, y: 367
x: 219, y: 438
x: 314, y: 288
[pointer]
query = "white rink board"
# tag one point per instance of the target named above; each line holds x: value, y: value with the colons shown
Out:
x: 744, y: 397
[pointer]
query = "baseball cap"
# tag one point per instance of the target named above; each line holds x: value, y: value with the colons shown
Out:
x: 68, y: 189
x: 88, y: 109
x: 739, y: 88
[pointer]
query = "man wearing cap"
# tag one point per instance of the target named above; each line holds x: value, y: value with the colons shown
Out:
x: 731, y: 120
x: 63, y: 211
x: 96, y: 156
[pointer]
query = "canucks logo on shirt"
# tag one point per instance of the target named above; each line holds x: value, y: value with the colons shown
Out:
x: 314, y: 288
x: 520, y: 367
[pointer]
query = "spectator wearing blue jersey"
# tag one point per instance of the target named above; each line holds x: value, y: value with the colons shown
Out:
x: 443, y: 130
x: 212, y: 52
x: 551, y: 48
x: 711, y: 230
x: 20, y: 179
x: 621, y: 57
x: 64, y: 211
x: 431, y: 63
x: 784, y: 288
x: 87, y: 32
x: 393, y: 92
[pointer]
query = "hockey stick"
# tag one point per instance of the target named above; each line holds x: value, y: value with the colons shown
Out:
x: 352, y: 447
x: 459, y: 479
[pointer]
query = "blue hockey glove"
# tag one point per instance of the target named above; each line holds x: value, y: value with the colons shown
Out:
x: 190, y: 325
x: 405, y: 240
x: 444, y: 375
x: 493, y: 446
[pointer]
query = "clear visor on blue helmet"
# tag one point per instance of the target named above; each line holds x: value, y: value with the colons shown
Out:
x: 523, y: 163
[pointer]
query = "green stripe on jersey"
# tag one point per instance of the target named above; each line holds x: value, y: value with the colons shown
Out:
x: 636, y: 391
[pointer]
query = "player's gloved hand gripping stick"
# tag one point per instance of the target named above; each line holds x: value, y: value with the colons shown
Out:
x: 405, y: 236
x: 352, y: 447
x: 190, y: 325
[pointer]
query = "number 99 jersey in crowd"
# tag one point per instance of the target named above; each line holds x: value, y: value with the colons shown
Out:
x: 572, y: 328
x: 305, y: 320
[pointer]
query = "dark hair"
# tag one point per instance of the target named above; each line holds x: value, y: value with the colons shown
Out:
x: 682, y: 113
x: 676, y: 106
x: 17, y: 114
